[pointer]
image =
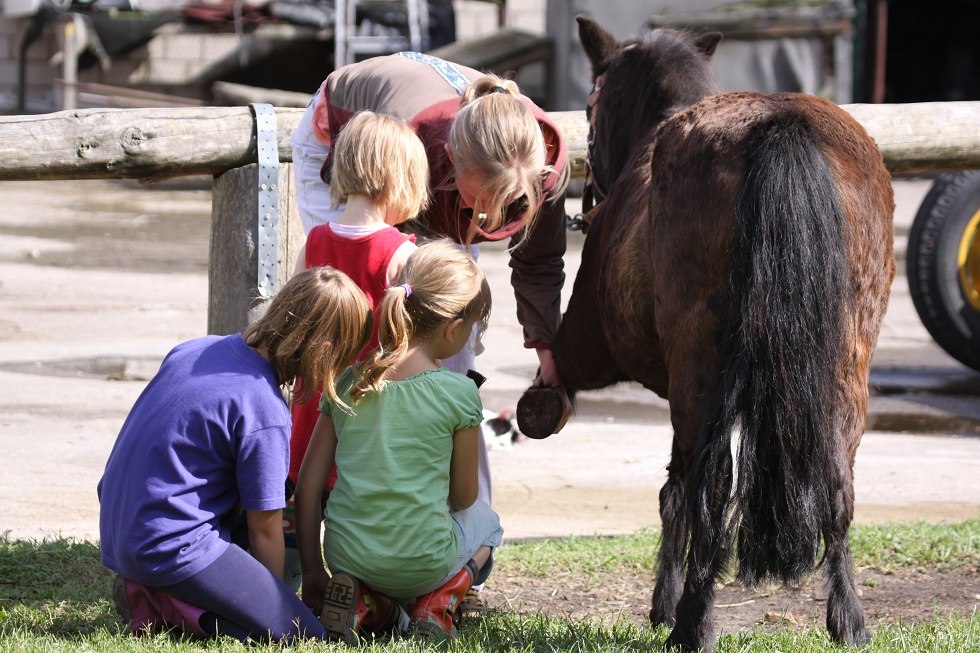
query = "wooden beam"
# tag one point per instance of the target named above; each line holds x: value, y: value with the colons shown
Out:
x: 923, y: 137
x: 108, y: 95
x: 228, y: 93
x: 160, y: 143
x: 919, y: 137
x: 501, y: 51
x: 234, y: 298
x: 134, y: 143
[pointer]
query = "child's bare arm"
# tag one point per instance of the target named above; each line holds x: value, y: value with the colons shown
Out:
x: 463, y: 476
x: 317, y: 463
x: 265, y: 541
x: 398, y: 260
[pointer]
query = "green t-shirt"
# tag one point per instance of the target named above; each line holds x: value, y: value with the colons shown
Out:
x: 387, y: 519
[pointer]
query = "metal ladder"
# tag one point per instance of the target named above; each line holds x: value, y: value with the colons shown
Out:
x: 348, y: 43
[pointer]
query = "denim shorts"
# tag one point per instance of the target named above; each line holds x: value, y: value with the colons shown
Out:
x: 477, y: 526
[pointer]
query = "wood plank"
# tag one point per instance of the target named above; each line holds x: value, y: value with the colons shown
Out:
x: 925, y: 136
x: 134, y: 143
x: 231, y: 94
x: 160, y: 143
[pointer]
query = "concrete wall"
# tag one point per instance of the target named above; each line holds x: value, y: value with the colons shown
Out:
x: 786, y: 64
x: 177, y: 56
x: 39, y: 72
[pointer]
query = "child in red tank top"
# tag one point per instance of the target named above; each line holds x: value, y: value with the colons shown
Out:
x: 379, y: 179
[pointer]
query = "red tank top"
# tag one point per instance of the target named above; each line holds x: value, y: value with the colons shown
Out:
x: 365, y: 260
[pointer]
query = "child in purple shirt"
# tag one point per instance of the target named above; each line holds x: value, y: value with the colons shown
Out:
x: 192, y: 494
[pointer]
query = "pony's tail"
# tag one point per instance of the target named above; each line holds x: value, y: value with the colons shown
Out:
x: 781, y: 356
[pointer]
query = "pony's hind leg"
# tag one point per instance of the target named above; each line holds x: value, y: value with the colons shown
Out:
x: 845, y: 616
x: 705, y: 505
x: 694, y: 629
x: 673, y: 545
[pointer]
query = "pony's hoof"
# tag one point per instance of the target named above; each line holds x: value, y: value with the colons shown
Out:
x: 676, y: 642
x: 856, y: 636
x: 661, y: 618
x: 862, y: 637
x: 542, y: 411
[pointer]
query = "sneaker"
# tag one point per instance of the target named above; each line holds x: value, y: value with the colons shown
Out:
x: 341, y: 601
x: 352, y: 612
x: 120, y: 599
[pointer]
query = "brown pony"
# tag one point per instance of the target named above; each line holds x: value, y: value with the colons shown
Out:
x: 739, y: 265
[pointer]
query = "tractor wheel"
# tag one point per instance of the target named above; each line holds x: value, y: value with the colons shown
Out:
x: 944, y: 264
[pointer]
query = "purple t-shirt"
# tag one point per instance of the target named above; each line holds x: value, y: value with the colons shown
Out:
x: 209, y: 432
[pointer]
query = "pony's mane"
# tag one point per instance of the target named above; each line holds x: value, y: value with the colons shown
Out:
x: 647, y: 80
x: 688, y: 71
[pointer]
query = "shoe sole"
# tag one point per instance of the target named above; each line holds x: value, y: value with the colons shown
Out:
x: 340, y: 608
x: 431, y: 631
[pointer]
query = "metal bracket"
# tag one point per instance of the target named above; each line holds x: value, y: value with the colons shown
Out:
x: 267, y: 148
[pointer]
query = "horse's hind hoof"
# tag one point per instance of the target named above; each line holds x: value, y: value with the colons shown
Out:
x: 542, y: 411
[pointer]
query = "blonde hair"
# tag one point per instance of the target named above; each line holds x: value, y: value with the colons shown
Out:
x: 382, y: 157
x: 314, y: 327
x: 439, y: 282
x: 496, y: 137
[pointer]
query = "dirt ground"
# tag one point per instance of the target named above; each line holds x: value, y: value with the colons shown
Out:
x: 909, y: 596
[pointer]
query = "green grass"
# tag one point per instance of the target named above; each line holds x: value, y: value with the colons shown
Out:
x: 54, y: 596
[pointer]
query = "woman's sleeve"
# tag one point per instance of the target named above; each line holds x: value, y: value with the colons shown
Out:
x: 469, y: 405
x: 538, y: 274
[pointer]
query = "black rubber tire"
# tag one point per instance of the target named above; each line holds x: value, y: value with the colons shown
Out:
x: 943, y: 290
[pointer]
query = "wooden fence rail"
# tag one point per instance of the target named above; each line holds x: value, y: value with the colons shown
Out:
x: 159, y: 143
x: 221, y: 141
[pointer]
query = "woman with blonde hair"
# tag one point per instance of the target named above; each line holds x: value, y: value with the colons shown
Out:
x: 192, y: 494
x: 498, y: 170
x: 406, y: 535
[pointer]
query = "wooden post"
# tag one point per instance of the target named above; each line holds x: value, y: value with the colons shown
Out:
x: 234, y: 299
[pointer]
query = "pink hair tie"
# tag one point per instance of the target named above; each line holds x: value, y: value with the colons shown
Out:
x: 408, y: 289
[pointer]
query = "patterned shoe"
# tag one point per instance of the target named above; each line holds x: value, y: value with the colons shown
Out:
x: 472, y: 603
x: 343, y: 608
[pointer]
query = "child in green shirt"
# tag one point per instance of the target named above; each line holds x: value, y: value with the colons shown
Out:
x: 405, y: 535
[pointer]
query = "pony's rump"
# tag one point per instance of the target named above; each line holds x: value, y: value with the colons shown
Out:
x: 782, y: 349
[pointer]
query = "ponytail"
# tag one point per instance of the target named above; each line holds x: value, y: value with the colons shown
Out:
x: 394, y: 332
x: 485, y: 86
x: 439, y: 282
